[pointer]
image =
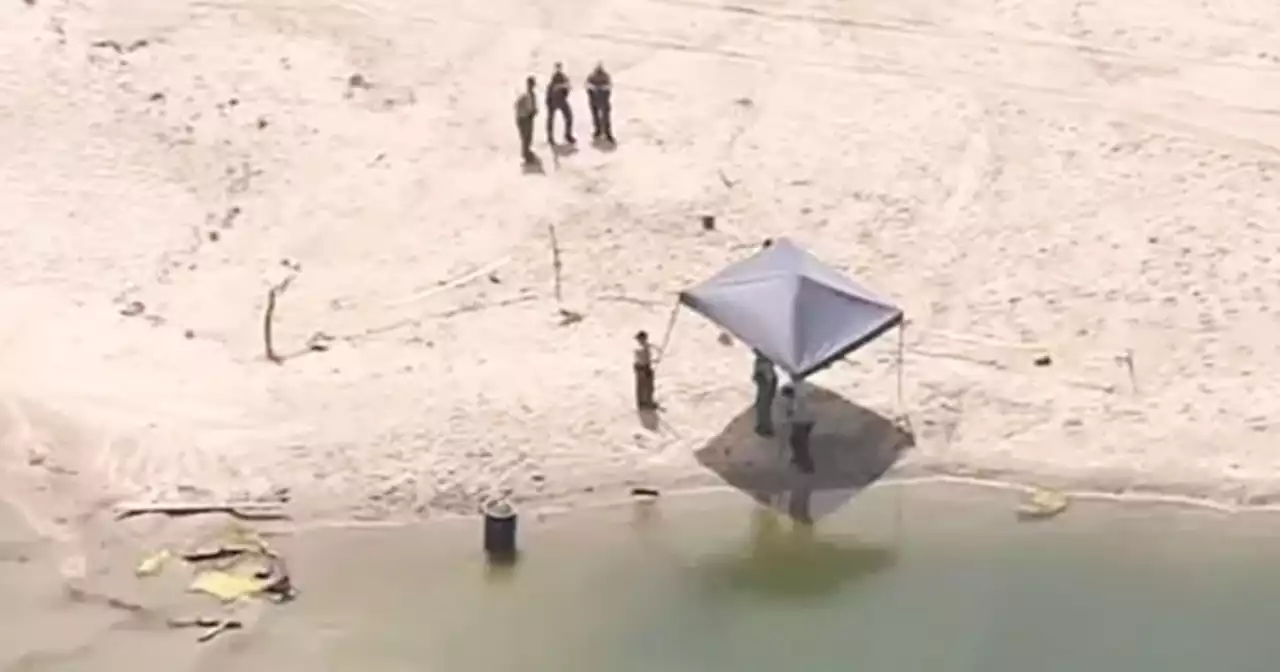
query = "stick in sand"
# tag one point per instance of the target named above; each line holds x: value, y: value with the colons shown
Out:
x: 555, y: 259
x: 218, y: 629
x: 1127, y: 360
x: 269, y: 314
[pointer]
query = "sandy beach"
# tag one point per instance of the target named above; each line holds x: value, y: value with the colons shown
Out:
x: 1093, y: 183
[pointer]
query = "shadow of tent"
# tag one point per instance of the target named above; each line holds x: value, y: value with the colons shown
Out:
x: 790, y: 562
x: 851, y: 445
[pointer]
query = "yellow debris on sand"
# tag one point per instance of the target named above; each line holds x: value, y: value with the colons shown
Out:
x: 228, y: 586
x: 231, y: 565
x: 152, y: 564
x: 1043, y: 503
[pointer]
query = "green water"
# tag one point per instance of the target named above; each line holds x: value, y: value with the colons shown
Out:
x: 902, y: 579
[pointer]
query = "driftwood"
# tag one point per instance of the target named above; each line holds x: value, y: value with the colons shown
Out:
x: 243, y: 510
x: 213, y: 626
x: 268, y: 316
x: 555, y: 259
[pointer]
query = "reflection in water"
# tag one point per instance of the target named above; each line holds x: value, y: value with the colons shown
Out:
x: 792, y: 561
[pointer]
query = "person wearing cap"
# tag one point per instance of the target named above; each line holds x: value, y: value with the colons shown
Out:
x: 558, y: 101
x: 799, y: 425
x: 765, y: 376
x: 526, y: 111
x: 643, y: 366
x: 599, y: 98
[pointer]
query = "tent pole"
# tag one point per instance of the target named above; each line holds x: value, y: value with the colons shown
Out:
x: 671, y: 325
x: 901, y: 349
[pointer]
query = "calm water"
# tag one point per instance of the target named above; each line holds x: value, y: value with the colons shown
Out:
x: 902, y: 579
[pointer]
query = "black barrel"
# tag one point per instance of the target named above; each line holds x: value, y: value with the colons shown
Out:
x: 500, y: 532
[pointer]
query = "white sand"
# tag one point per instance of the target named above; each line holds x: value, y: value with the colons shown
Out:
x: 1087, y: 178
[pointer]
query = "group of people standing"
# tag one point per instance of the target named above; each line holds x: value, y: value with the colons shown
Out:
x: 599, y: 99
x: 797, y: 419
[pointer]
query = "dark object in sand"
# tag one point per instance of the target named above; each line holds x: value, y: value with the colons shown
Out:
x: 1043, y: 360
x: 644, y: 492
x: 708, y: 223
x: 500, y: 533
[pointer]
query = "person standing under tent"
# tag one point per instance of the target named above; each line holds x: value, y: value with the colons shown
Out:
x: 526, y: 111
x: 765, y: 376
x: 600, y: 99
x: 643, y: 366
x: 558, y: 101
x: 799, y: 425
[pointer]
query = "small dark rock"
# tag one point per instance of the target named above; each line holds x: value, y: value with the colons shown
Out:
x: 232, y: 213
x: 1043, y: 360
x: 319, y: 342
x: 156, y: 97
x: 214, y: 236
x: 357, y: 81
x: 568, y: 317
x: 233, y: 102
x: 262, y: 123
x: 188, y: 334
x: 708, y: 223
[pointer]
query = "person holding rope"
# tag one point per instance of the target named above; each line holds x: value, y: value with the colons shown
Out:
x: 643, y: 367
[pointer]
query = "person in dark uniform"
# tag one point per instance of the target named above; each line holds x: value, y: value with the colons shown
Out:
x: 558, y: 101
x: 526, y: 111
x: 599, y: 97
x: 766, y: 379
x: 799, y: 426
x: 643, y: 365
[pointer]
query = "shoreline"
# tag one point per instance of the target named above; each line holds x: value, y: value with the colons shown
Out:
x: 565, y: 506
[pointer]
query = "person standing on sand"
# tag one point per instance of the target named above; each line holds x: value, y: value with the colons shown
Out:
x: 599, y: 97
x: 766, y: 379
x: 526, y: 111
x: 643, y: 366
x: 558, y: 101
x: 799, y: 426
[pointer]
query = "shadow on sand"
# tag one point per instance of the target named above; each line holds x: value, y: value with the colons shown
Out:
x: 564, y: 149
x: 852, y: 446
x: 533, y: 167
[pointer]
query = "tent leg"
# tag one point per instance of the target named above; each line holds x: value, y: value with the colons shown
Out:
x: 901, y: 349
x: 671, y: 325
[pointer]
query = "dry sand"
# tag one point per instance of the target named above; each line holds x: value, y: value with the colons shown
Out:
x: 1081, y: 178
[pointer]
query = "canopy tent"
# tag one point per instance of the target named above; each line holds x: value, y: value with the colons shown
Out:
x: 802, y: 314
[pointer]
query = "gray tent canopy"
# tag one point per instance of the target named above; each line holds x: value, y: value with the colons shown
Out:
x: 801, y: 313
